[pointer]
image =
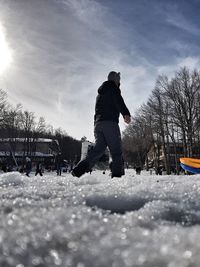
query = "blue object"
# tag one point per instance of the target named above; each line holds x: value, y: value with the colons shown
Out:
x: 190, y: 169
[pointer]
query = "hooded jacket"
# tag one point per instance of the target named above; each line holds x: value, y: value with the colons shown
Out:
x: 109, y: 103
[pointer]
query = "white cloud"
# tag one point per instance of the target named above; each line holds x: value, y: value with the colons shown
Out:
x: 189, y: 62
x: 63, y: 51
x: 91, y: 13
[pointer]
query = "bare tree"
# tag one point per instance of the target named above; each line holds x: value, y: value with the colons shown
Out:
x: 137, y: 138
x: 160, y: 114
x: 184, y: 94
x: 27, y: 120
x: 172, y: 116
x: 3, y: 107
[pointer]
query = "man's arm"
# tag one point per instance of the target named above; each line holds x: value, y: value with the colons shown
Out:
x: 121, y: 106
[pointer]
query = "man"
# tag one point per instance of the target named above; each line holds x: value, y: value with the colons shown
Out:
x: 28, y: 166
x: 109, y: 105
x: 59, y: 163
x: 38, y: 169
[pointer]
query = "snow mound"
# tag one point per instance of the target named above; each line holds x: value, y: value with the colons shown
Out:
x: 11, y: 179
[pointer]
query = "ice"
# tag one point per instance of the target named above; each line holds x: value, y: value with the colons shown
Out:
x: 138, y: 220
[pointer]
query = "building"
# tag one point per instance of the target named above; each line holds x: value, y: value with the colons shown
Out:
x: 15, y: 150
x: 87, y: 146
x: 156, y: 157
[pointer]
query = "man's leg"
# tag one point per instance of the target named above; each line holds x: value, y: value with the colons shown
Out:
x: 113, y: 138
x: 94, y: 154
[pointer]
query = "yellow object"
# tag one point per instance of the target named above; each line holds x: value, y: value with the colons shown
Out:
x: 190, y: 162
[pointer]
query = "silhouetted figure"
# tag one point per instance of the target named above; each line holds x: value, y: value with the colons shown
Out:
x: 138, y: 170
x: 4, y: 167
x: 159, y: 170
x: 28, y: 166
x: 38, y: 169
x: 109, y: 105
x: 59, y: 164
x: 127, y: 165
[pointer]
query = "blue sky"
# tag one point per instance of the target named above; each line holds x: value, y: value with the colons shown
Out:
x: 62, y: 50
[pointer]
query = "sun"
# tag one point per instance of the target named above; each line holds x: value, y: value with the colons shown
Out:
x: 5, y: 52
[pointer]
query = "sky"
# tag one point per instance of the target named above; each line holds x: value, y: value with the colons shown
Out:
x: 54, y: 54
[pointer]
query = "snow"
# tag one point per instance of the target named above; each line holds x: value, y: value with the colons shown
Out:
x: 11, y: 178
x: 137, y: 220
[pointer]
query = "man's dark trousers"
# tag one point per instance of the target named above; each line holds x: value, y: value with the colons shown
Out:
x: 107, y: 134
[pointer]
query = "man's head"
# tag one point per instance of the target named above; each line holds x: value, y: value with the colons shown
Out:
x: 115, y: 77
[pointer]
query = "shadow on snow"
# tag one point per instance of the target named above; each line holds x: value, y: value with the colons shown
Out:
x: 117, y: 204
x: 165, y: 210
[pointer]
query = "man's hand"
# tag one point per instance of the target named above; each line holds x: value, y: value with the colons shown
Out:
x: 127, y: 119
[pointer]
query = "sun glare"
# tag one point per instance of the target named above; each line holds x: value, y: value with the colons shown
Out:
x: 5, y: 52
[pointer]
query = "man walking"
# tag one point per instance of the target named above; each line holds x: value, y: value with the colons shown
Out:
x: 59, y: 164
x: 28, y: 166
x: 109, y: 105
x: 38, y: 169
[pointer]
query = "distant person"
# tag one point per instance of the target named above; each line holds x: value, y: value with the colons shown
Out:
x: 28, y: 166
x: 59, y: 164
x: 38, y: 169
x: 109, y: 105
x: 138, y: 170
x: 159, y: 170
x: 4, y: 167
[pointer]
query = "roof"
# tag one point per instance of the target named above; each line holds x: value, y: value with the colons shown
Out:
x: 22, y: 140
x: 20, y: 154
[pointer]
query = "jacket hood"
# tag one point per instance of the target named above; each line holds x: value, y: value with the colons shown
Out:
x: 107, y: 85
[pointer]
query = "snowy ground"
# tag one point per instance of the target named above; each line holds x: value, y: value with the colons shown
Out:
x: 97, y: 221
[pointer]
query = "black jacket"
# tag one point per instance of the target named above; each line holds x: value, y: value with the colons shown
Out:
x: 109, y: 103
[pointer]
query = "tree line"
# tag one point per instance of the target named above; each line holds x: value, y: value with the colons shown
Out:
x: 18, y: 123
x: 169, y: 118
